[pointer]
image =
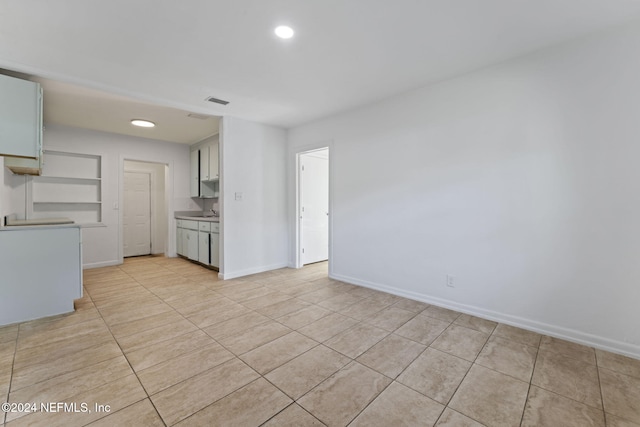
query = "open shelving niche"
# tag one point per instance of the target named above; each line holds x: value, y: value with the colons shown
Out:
x: 70, y: 186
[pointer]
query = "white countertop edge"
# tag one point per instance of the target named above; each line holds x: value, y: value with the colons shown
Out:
x: 199, y: 218
x: 37, y: 227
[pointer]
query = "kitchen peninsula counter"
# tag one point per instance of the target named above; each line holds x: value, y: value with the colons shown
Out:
x: 40, y: 271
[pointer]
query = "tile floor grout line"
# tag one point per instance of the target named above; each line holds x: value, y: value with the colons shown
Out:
x: 322, y: 382
x: 526, y: 400
x: 466, y: 373
x: 428, y: 346
x: 279, y: 366
x: 13, y: 362
x: 64, y: 373
x: 561, y: 395
x: 355, y: 360
x: 101, y: 318
x: 236, y: 356
x: 135, y: 372
x: 372, y: 400
x: 131, y: 367
x: 287, y: 407
x: 604, y: 412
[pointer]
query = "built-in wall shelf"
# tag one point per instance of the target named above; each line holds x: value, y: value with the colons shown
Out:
x: 70, y: 186
x: 70, y: 203
x: 62, y: 178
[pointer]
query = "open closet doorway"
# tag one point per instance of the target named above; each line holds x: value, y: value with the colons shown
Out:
x: 313, y: 206
x: 144, y: 211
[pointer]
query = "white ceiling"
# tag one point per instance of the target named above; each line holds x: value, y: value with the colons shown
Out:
x: 346, y: 53
x: 77, y: 106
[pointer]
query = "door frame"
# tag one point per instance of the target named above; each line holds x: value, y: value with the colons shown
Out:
x: 297, y: 252
x: 168, y: 204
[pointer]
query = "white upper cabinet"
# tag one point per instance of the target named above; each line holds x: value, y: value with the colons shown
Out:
x: 194, y: 184
x: 209, y: 169
x: 20, y: 118
x: 214, y: 167
x: 205, y: 168
x: 204, y: 162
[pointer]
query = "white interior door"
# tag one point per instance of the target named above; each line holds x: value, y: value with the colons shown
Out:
x: 314, y: 206
x: 137, y: 214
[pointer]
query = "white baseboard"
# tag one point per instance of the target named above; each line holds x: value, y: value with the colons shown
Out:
x: 572, y: 335
x: 248, y: 271
x: 89, y: 266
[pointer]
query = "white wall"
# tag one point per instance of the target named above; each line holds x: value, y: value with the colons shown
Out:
x: 4, y: 210
x: 4, y: 192
x: 159, y: 224
x: 521, y: 181
x: 102, y: 245
x: 254, y: 229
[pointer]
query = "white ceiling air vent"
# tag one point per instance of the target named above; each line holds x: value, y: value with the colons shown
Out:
x: 198, y: 116
x: 216, y: 100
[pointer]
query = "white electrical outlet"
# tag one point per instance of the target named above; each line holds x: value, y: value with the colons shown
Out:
x: 238, y: 196
x: 450, y: 281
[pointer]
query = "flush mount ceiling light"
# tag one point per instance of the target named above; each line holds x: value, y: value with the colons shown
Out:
x: 284, y: 32
x: 142, y: 123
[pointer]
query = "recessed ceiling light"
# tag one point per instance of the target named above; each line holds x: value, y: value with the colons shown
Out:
x: 284, y: 32
x: 142, y: 123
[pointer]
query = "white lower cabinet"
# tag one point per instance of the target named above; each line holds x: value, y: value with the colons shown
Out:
x: 187, y: 238
x: 192, y: 244
x: 199, y: 241
x: 179, y: 238
x: 204, y: 248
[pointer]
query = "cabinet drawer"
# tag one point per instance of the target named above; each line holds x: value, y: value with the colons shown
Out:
x: 179, y: 223
x: 215, y: 227
x: 191, y: 225
x: 204, y: 226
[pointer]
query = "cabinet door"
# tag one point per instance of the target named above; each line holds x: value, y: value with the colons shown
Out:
x: 179, y: 241
x: 195, y: 174
x: 214, y: 156
x: 204, y: 163
x: 215, y: 250
x: 185, y: 242
x: 203, y: 247
x: 192, y: 244
x: 20, y: 118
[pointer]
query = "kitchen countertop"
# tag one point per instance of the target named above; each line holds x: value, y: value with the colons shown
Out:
x: 196, y: 216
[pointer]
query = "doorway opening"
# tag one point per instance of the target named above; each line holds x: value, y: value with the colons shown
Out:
x: 313, y: 206
x: 144, y: 210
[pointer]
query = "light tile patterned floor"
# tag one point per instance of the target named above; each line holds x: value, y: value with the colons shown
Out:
x: 163, y: 342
